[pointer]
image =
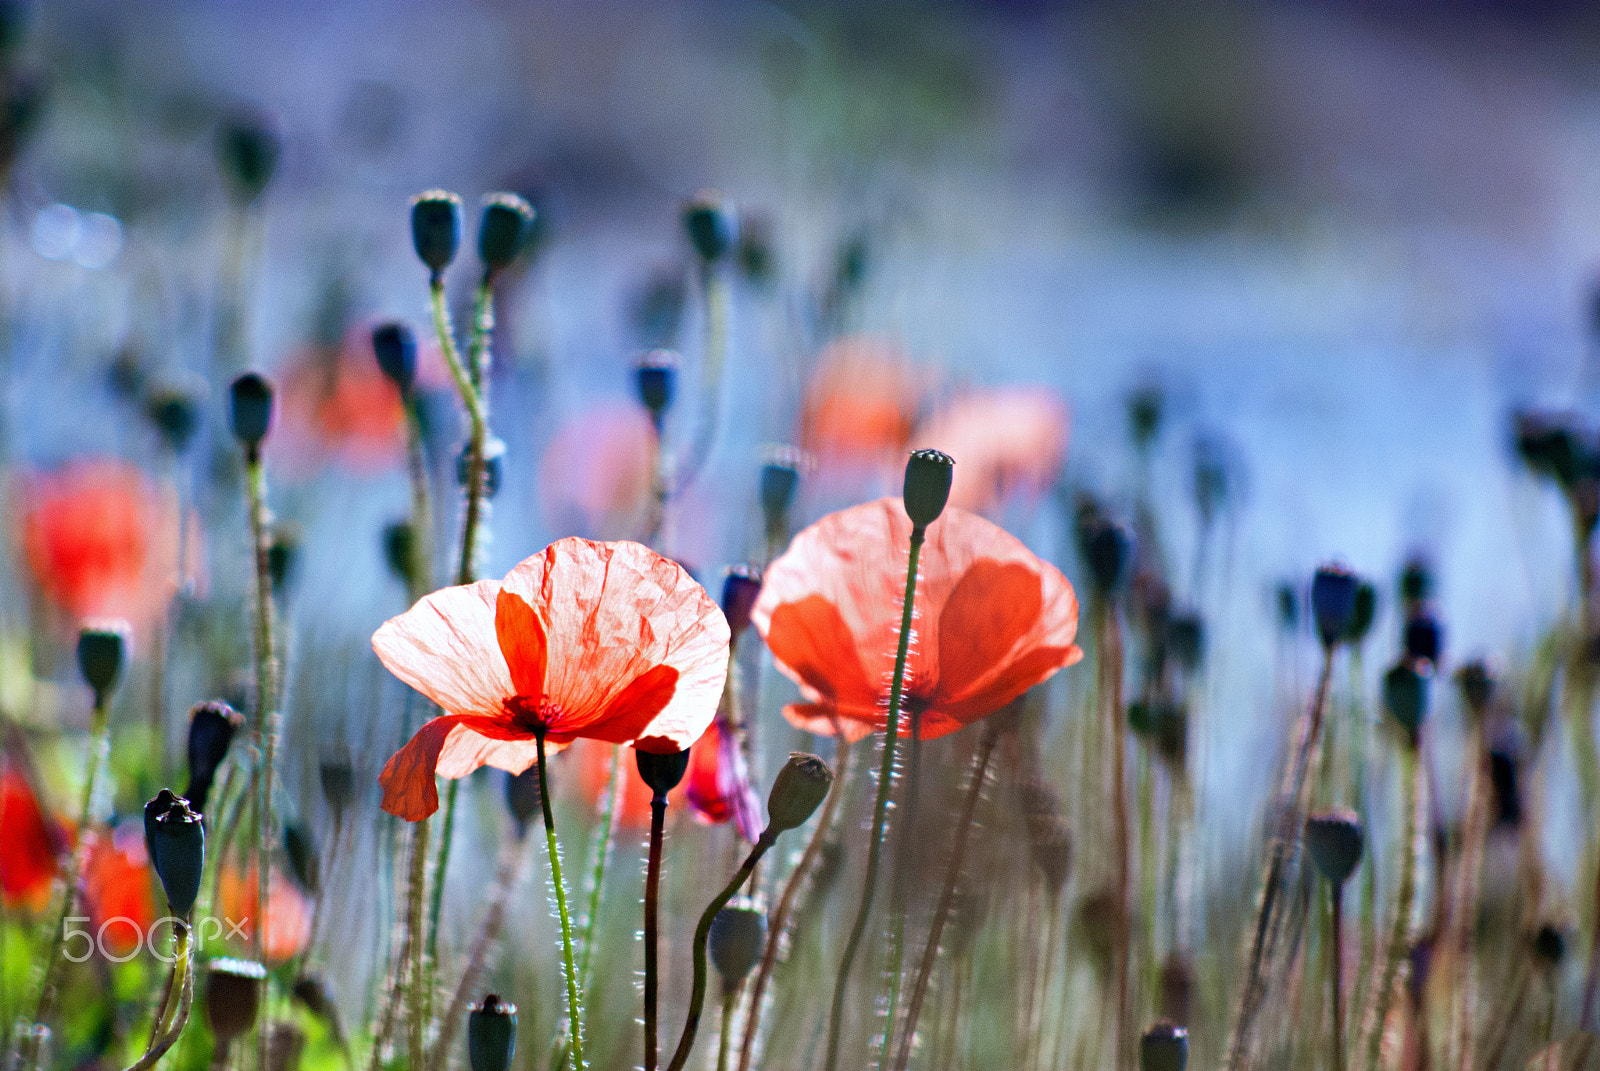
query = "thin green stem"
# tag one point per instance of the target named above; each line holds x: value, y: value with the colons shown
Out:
x: 730, y: 998
x: 183, y: 966
x: 1336, y: 970
x: 266, y: 727
x: 880, y: 809
x: 574, y: 998
x: 898, y: 895
x: 702, y: 935
x: 652, y: 893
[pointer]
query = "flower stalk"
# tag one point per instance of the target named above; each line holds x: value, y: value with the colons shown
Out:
x: 569, y: 963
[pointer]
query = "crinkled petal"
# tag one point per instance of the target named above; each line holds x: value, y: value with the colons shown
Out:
x: 446, y: 648
x: 812, y: 645
x: 523, y: 643
x: 452, y: 745
x: 825, y: 720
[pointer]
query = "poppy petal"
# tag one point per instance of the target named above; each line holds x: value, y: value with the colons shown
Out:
x: 445, y: 647
x: 1035, y: 667
x: 408, y: 776
x: 990, y: 609
x: 631, y: 714
x: 826, y: 720
x: 523, y: 642
x: 813, y: 646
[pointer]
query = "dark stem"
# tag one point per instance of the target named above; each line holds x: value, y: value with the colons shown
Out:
x: 652, y: 894
x: 919, y: 990
x: 1336, y: 973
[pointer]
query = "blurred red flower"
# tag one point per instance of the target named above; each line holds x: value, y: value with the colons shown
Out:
x: 119, y: 888
x: 608, y: 641
x: 289, y: 911
x: 992, y: 619
x: 337, y: 405
x: 100, y: 541
x: 717, y: 786
x: 590, y: 763
x: 31, y: 843
x: 861, y: 401
x: 1006, y: 443
x: 597, y: 470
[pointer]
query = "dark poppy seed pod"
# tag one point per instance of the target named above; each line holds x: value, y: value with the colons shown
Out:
x: 250, y: 409
x: 211, y: 728
x: 1333, y: 602
x: 1287, y: 602
x: 436, y: 228
x: 101, y: 650
x: 400, y: 550
x: 780, y: 480
x: 1145, y: 409
x: 1416, y: 582
x: 1164, y: 1047
x: 522, y: 796
x: 738, y: 933
x: 1107, y: 550
x: 1362, y: 613
x: 1504, y: 767
x: 507, y: 221
x: 1405, y: 696
x: 797, y: 792
x: 1334, y: 839
x: 233, y: 997
x: 394, y: 344
x: 1549, y: 946
x: 1477, y: 682
x: 175, y: 413
x: 711, y: 227
x: 312, y: 991
x: 1545, y: 443
x: 248, y: 147
x: 656, y: 376
x: 283, y: 555
x: 338, y: 780
x: 175, y: 837
x: 494, y: 463
x: 927, y: 486
x: 754, y: 253
x: 1050, y: 844
x: 739, y: 591
x: 1422, y: 639
x: 301, y: 849
x: 663, y: 771
x: 491, y: 1034
x: 1186, y: 639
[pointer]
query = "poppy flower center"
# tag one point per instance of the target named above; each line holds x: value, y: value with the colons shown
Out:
x: 534, y: 715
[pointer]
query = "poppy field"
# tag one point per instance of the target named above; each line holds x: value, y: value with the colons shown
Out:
x: 537, y: 565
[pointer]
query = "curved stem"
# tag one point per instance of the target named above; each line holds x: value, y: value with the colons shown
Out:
x: 880, y: 808
x: 184, y: 966
x: 702, y: 935
x: 791, y: 889
x: 652, y: 891
x: 574, y: 998
x: 958, y: 854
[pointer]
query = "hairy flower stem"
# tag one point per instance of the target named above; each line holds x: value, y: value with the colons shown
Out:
x: 702, y: 936
x: 99, y: 746
x: 1110, y: 656
x: 418, y: 988
x: 1285, y: 843
x: 1463, y: 914
x: 652, y: 893
x: 791, y: 889
x: 1399, y: 950
x: 178, y: 1017
x: 919, y: 990
x: 569, y: 962
x: 880, y: 808
x: 1336, y: 970
x: 898, y: 895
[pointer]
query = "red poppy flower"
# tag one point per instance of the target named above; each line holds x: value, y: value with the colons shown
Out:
x: 289, y: 911
x: 608, y: 641
x: 992, y: 619
x: 717, y: 786
x: 119, y: 888
x: 1011, y: 442
x: 30, y: 843
x: 100, y: 541
x: 860, y: 402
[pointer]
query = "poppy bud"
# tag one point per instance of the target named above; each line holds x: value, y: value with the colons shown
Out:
x: 1549, y: 946
x: 1546, y: 444
x: 233, y: 996
x: 1288, y: 605
x: 1107, y: 548
x: 301, y: 848
x: 1333, y: 602
x: 494, y: 454
x: 797, y: 791
x: 656, y: 376
x: 283, y: 554
x: 927, y: 486
x: 400, y: 550
x: 394, y: 344
x: 711, y: 228
x: 739, y: 591
x: 1334, y: 840
x: 175, y: 413
x: 1186, y: 639
x: 250, y: 409
x: 754, y: 250
x: 1416, y: 582
x: 780, y: 479
x: 211, y: 729
x: 1476, y: 682
x: 436, y: 228
x: 175, y: 838
x: 1050, y: 843
x: 522, y: 796
x: 1405, y: 696
x: 101, y: 650
x: 248, y: 146
x: 661, y: 772
x: 1505, y: 755
x: 1145, y: 407
x: 1363, y: 611
x: 1164, y: 1047
x: 1422, y: 639
x: 736, y: 938
x: 338, y: 780
x: 491, y: 1034
x: 507, y: 219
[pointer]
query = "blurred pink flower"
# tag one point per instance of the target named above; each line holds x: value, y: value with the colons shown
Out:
x: 861, y: 401
x: 596, y: 473
x: 1006, y: 442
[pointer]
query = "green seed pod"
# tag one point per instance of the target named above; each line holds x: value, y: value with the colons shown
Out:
x: 101, y: 650
x: 736, y: 939
x: 711, y: 227
x: 175, y: 838
x: 1334, y: 840
x: 661, y: 771
x: 250, y: 409
x: 492, y: 1035
x: 1405, y: 696
x: 248, y: 147
x: 394, y: 344
x: 927, y: 485
x: 1164, y: 1047
x: 175, y: 412
x: 507, y: 221
x: 797, y: 792
x: 436, y: 228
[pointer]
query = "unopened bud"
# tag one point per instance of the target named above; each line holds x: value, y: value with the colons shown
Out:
x: 656, y: 376
x: 101, y: 650
x: 797, y: 792
x: 1405, y: 696
x: 739, y: 591
x: 1107, y: 549
x: 250, y: 409
x: 211, y: 729
x: 522, y: 796
x: 400, y: 550
x: 175, y: 837
x: 711, y: 227
x: 248, y: 147
x: 175, y: 413
x: 394, y: 344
